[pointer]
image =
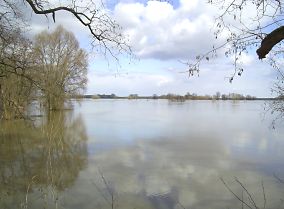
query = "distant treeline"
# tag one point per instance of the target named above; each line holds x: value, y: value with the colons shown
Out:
x: 176, y: 97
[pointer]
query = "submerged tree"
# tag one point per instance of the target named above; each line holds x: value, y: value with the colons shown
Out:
x: 62, y: 66
x: 16, y: 83
x: 20, y: 76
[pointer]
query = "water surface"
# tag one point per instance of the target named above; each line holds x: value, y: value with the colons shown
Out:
x: 143, y: 154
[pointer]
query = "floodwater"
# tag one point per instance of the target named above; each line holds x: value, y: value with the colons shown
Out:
x: 144, y: 154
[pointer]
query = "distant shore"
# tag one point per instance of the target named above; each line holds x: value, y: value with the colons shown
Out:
x: 173, y: 97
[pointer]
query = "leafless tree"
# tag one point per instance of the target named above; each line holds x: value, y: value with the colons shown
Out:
x: 62, y: 66
x: 16, y: 69
x: 16, y: 84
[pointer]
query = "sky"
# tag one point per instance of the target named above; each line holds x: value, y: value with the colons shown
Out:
x: 163, y: 36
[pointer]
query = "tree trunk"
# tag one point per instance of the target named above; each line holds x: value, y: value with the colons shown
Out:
x: 1, y: 104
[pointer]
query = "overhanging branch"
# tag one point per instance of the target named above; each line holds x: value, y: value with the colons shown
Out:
x: 78, y: 15
x: 270, y: 41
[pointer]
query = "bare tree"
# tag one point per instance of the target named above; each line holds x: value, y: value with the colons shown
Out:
x: 18, y: 74
x: 11, y: 17
x: 16, y: 84
x: 62, y: 66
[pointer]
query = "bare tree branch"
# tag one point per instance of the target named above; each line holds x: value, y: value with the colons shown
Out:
x: 270, y: 41
x: 105, y: 31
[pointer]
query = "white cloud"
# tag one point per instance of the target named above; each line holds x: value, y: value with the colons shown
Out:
x: 158, y: 30
x: 129, y: 14
x: 188, y: 5
x: 156, y: 12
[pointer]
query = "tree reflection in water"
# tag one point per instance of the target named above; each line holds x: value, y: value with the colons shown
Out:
x: 36, y: 164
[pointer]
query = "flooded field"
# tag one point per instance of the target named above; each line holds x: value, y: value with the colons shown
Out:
x: 144, y: 154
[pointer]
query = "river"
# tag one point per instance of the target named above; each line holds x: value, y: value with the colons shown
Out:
x: 144, y: 154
